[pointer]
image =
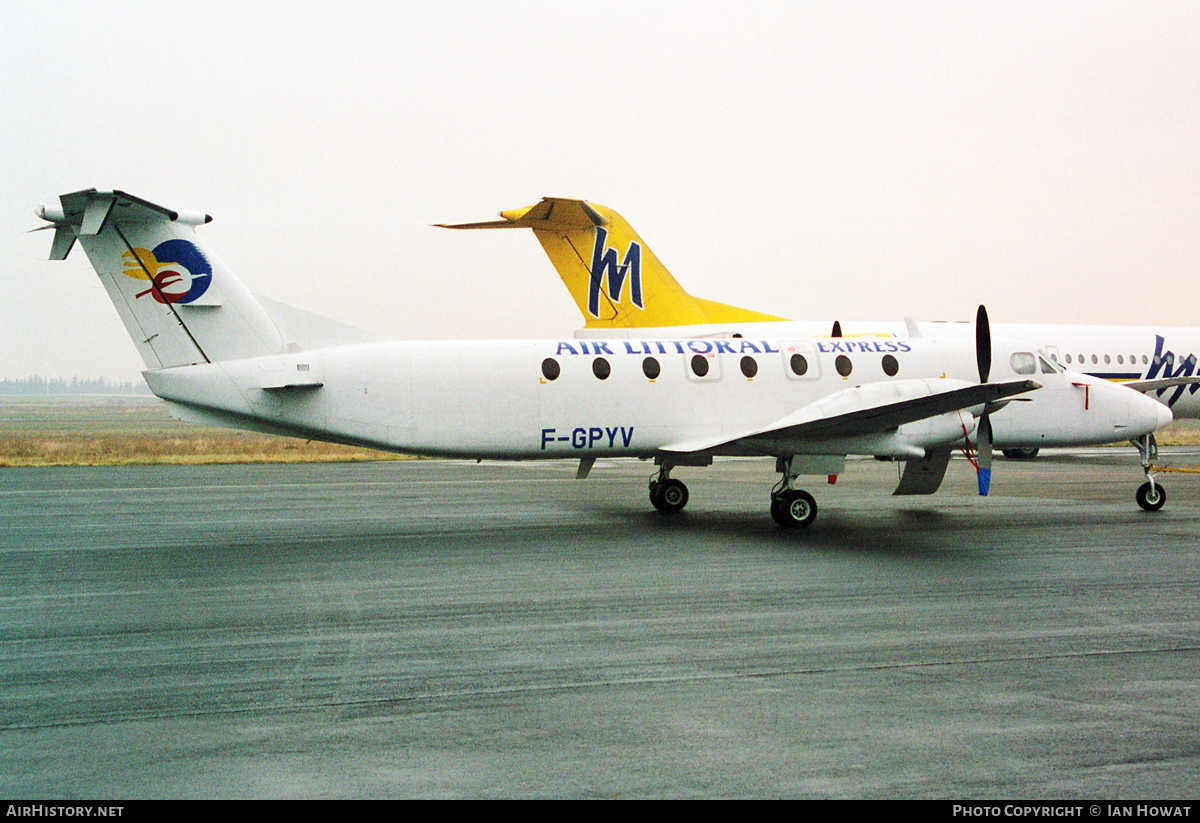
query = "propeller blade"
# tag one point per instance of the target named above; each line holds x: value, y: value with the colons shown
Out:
x: 983, y: 344
x: 983, y: 437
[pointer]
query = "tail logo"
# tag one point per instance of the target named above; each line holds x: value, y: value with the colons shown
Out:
x: 178, y: 271
x: 606, y: 270
x: 1164, y: 365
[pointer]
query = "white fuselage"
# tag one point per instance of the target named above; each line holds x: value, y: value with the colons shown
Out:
x: 495, y: 399
x: 1117, y: 353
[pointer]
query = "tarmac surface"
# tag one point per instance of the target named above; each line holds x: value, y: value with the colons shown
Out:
x: 447, y: 629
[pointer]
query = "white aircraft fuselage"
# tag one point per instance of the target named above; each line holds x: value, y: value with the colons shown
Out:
x: 494, y: 399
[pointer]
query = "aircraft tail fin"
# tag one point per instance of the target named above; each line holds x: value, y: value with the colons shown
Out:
x: 614, y: 278
x: 178, y: 302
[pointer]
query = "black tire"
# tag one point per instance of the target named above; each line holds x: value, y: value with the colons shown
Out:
x: 1020, y: 454
x: 669, y: 495
x: 1151, y: 497
x: 794, y: 509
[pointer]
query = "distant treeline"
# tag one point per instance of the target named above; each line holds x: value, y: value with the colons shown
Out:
x: 60, y: 385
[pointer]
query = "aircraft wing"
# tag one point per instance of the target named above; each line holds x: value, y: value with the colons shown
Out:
x: 862, y: 411
x: 1162, y: 383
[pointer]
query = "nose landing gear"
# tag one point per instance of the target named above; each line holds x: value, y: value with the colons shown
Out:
x: 1150, y: 495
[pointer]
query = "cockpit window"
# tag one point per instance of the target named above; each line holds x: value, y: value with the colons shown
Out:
x: 1046, y: 367
x: 1023, y: 362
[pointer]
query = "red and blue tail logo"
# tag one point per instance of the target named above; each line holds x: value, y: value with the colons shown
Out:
x: 177, y: 270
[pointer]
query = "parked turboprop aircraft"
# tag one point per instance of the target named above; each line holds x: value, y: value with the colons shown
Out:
x: 622, y: 289
x: 217, y: 354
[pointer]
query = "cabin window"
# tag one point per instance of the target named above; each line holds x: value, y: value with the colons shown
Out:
x: 1120, y: 359
x: 843, y: 365
x: 749, y: 366
x: 699, y: 365
x: 1145, y: 360
x: 1068, y: 359
x: 550, y: 369
x: 601, y: 368
x: 651, y: 368
x: 1095, y: 360
x: 799, y: 365
x: 1023, y: 362
x: 890, y: 365
x: 1107, y: 359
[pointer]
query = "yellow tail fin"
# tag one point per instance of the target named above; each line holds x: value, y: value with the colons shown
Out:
x: 615, y: 279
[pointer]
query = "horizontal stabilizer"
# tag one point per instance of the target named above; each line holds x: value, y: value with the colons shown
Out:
x: 551, y: 214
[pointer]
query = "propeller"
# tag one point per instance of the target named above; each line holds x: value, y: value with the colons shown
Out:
x: 983, y: 433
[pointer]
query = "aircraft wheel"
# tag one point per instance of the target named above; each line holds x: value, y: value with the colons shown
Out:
x: 1020, y: 454
x: 1151, y: 497
x: 794, y: 509
x: 668, y: 495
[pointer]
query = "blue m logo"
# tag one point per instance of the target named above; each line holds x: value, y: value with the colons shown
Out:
x: 1164, y: 362
x: 606, y: 269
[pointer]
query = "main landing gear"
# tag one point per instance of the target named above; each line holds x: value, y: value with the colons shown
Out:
x: 791, y: 508
x: 1150, y: 495
x: 667, y: 494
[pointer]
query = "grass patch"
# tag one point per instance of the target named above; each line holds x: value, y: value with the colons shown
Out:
x: 1180, y: 433
x: 128, y: 431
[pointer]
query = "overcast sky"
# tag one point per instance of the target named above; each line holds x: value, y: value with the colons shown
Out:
x: 817, y: 160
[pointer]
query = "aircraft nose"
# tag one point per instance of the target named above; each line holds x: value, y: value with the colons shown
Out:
x: 1149, y: 414
x: 1165, y: 415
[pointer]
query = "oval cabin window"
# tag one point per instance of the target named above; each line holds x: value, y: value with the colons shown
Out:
x: 651, y: 368
x: 749, y: 366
